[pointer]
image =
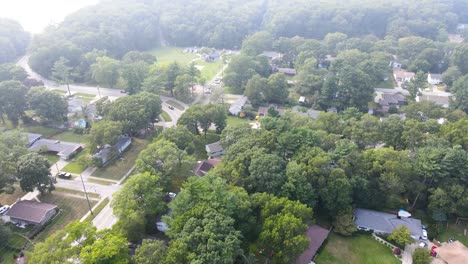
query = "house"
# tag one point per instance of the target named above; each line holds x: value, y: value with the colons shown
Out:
x: 317, y: 235
x: 455, y: 38
x: 441, y: 100
x: 214, y: 149
x: 263, y: 111
x: 203, y: 166
x: 272, y: 55
x: 287, y: 71
x: 434, y: 78
x: 237, y: 106
x: 453, y: 253
x: 403, y: 75
x: 211, y: 57
x: 31, y: 212
x: 386, y: 101
x: 385, y: 223
x: 106, y: 154
x: 65, y: 150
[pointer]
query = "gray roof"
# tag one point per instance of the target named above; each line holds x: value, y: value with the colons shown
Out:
x: 120, y: 147
x: 272, y: 55
x: 436, y: 76
x: 31, y: 137
x: 62, y: 148
x: 440, y: 100
x: 290, y: 71
x: 391, y: 99
x: 317, y: 235
x: 214, y: 147
x: 385, y: 222
x: 31, y: 211
x: 237, y: 106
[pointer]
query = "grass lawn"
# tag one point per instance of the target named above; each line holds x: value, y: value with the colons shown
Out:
x: 175, y: 104
x: 98, y: 209
x: 52, y: 158
x: 229, y: 90
x: 102, y: 182
x: 46, y: 132
x: 167, y: 55
x: 165, y: 116
x: 358, y: 249
x: 70, y: 136
x: 77, y: 192
x: 210, y: 69
x: 389, y: 84
x: 453, y: 231
x: 71, y: 209
x: 73, y: 167
x: 11, y: 198
x: 15, y: 244
x: 234, y: 120
x: 121, y: 166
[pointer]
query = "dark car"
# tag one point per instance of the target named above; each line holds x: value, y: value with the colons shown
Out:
x: 171, y: 107
x: 65, y: 175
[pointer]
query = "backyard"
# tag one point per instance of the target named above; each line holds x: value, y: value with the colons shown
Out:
x: 357, y: 249
x: 74, y: 166
x: 453, y: 231
x: 70, y: 136
x: 234, y: 120
x: 11, y: 198
x: 121, y: 166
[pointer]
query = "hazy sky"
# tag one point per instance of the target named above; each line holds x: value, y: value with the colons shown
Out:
x: 35, y: 15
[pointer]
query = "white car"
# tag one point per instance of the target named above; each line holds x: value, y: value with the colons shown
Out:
x: 424, y: 234
x: 4, y: 209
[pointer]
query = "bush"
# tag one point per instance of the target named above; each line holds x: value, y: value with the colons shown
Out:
x: 421, y: 256
x: 397, y: 252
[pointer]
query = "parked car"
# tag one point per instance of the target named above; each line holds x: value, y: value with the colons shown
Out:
x: 424, y: 234
x: 65, y: 175
x: 4, y: 209
x: 422, y: 245
x: 156, y: 120
x: 171, y: 107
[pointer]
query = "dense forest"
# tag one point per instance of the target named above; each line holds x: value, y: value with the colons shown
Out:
x: 13, y: 40
x: 123, y: 26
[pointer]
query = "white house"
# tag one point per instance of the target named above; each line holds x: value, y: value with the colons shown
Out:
x: 214, y: 149
x: 434, y: 78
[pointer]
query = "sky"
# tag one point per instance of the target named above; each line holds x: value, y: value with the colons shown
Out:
x: 35, y: 15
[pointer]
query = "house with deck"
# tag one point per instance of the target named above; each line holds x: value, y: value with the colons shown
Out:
x: 31, y: 212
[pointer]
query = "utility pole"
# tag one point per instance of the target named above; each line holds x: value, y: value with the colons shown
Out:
x: 99, y: 92
x: 86, y: 194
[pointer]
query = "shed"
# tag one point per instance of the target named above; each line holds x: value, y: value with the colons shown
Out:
x: 214, y: 149
x: 204, y: 166
x: 237, y: 106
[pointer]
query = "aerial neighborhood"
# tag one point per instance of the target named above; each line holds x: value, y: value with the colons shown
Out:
x: 236, y: 132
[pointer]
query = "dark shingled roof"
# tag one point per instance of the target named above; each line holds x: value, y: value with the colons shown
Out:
x: 214, y: 147
x: 204, y: 166
x: 30, y: 211
x: 317, y: 235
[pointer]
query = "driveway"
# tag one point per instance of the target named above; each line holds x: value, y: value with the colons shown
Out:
x: 407, y: 257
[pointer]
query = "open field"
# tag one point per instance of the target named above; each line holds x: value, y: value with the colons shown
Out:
x: 71, y: 209
x: 166, y: 116
x: 167, y: 55
x: 70, y: 136
x: 121, y: 166
x: 11, y: 198
x: 175, y: 104
x: 357, y: 249
x: 210, y: 69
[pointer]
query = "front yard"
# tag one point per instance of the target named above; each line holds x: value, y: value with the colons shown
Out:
x: 121, y: 166
x: 71, y: 209
x: 357, y: 249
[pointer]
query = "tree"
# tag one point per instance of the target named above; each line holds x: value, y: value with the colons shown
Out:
x: 12, y: 147
x: 421, y: 256
x: 47, y: 104
x: 344, y: 224
x: 256, y: 43
x: 392, y: 129
x: 110, y: 248
x: 135, y: 112
x: 460, y: 90
x: 194, y: 74
x: 401, y: 235
x: 456, y: 132
x: 5, y: 233
x: 460, y: 57
x: 62, y: 73
x: 417, y: 83
x: 180, y: 136
x: 336, y: 193
x: 277, y: 91
x: 105, y: 71
x: 267, y: 174
x: 9, y: 71
x: 240, y: 70
x: 104, y: 133
x: 33, y: 172
x: 150, y: 252
x: 332, y: 39
x: 182, y: 85
x: 255, y: 90
x: 134, y: 74
x: 12, y: 101
x: 451, y: 75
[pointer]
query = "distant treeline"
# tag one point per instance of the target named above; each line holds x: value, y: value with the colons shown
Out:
x: 116, y: 27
